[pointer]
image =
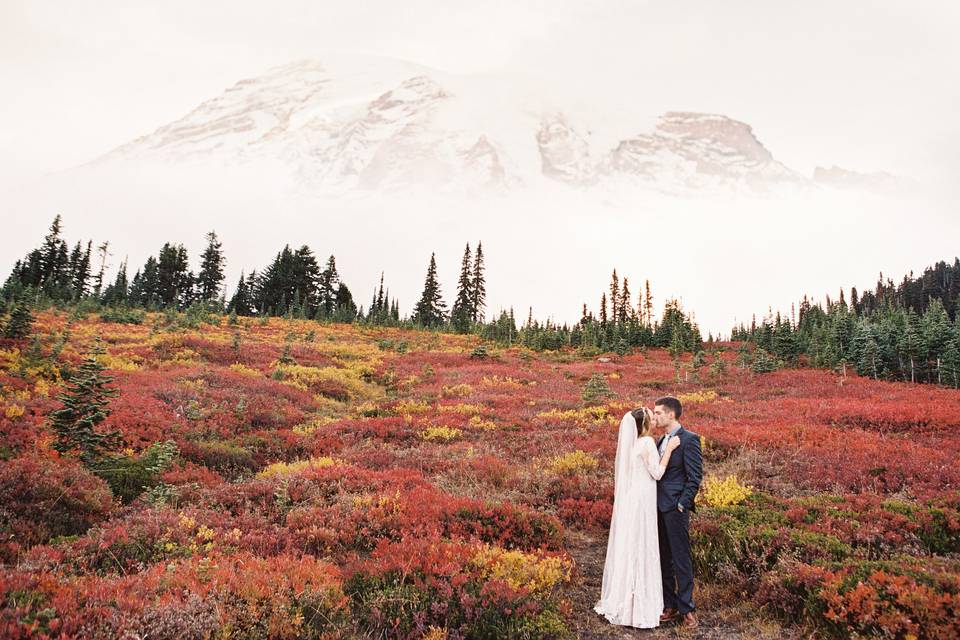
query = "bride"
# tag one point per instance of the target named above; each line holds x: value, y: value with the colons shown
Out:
x: 632, y: 591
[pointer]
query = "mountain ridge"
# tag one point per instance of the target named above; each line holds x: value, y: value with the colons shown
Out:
x: 361, y: 123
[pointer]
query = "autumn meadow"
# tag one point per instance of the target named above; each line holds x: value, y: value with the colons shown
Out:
x: 284, y: 478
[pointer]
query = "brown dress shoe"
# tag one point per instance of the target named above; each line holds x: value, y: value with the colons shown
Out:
x: 689, y: 621
x: 669, y: 615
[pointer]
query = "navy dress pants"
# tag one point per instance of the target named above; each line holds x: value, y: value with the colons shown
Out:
x: 676, y: 563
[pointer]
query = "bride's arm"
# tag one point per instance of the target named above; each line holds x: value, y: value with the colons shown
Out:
x: 656, y: 466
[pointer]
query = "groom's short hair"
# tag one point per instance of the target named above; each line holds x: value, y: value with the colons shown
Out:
x: 670, y: 403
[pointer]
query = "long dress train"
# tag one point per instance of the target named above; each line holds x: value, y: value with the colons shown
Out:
x: 632, y: 592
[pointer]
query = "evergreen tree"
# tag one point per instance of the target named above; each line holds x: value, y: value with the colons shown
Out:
x: 241, y: 302
x: 85, y: 406
x: 116, y: 293
x: 327, y: 288
x: 51, y: 263
x: 911, y: 345
x: 614, y: 297
x: 102, y: 251
x: 174, y: 282
x: 81, y: 272
x: 479, y: 290
x: 462, y: 313
x: 950, y: 365
x: 937, y: 333
x: 145, y: 286
x: 648, y: 305
x: 212, y: 262
x: 345, y: 308
x: 867, y: 351
x: 20, y: 321
x: 431, y: 310
x: 624, y: 311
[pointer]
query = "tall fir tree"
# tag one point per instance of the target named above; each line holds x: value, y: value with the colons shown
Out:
x: 327, y: 288
x: 102, y: 251
x: 85, y: 406
x: 478, y: 279
x: 20, y: 321
x: 242, y: 302
x: 430, y: 310
x: 462, y: 313
x: 212, y: 261
x: 116, y: 293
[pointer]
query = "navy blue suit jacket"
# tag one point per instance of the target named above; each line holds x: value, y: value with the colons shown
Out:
x: 681, y: 480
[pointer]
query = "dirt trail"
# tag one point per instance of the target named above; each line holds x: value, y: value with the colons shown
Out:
x: 589, y: 552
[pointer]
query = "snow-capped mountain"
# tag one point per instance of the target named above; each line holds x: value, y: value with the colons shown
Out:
x: 356, y: 123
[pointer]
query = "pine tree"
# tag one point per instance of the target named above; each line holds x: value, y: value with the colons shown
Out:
x: 625, y: 310
x: 327, y: 288
x: 85, y: 406
x: 430, y: 311
x: 102, y: 251
x: 241, y: 303
x: 345, y: 309
x: 49, y: 257
x: 81, y: 273
x: 173, y: 276
x: 648, y: 305
x: 867, y: 351
x: 212, y: 261
x: 950, y: 365
x: 462, y: 313
x: 479, y: 291
x: 911, y: 344
x: 937, y: 332
x: 116, y: 293
x: 20, y: 322
x: 614, y: 297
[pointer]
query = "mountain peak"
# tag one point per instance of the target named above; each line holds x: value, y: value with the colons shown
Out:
x: 354, y: 121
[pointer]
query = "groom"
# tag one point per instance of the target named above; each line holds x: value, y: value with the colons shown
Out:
x: 675, y: 500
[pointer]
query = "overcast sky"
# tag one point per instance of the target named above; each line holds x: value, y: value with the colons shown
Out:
x: 869, y: 85
x: 865, y: 85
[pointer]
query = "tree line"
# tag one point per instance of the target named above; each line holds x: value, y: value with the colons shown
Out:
x: 296, y: 284
x: 907, y: 332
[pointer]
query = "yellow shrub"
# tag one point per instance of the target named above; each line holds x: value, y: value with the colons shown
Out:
x: 306, y: 428
x: 570, y: 464
x: 42, y: 388
x: 283, y: 468
x: 442, y: 433
x: 390, y: 502
x: 8, y: 357
x: 245, y: 370
x: 456, y: 390
x: 594, y: 415
x: 501, y: 381
x: 304, y: 377
x: 368, y: 409
x: 480, y: 423
x: 522, y: 570
x: 725, y: 493
x: 185, y: 357
x: 459, y: 408
x: 694, y: 397
x: 117, y: 362
x: 435, y: 633
x: 409, y: 407
x: 13, y: 411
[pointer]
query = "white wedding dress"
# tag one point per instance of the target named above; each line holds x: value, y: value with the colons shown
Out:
x: 632, y: 591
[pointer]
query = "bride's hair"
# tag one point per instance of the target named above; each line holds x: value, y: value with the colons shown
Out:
x: 644, y: 418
